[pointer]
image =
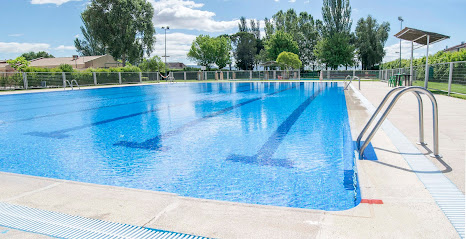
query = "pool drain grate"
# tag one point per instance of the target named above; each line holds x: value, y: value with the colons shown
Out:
x: 67, y: 226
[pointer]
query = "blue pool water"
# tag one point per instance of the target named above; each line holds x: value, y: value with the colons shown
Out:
x: 282, y: 144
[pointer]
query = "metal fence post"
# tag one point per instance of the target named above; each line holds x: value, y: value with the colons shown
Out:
x: 94, y: 75
x: 228, y: 75
x: 25, y: 80
x: 354, y: 73
x: 250, y: 75
x: 184, y: 75
x: 158, y: 75
x: 450, y: 78
x: 119, y: 77
x: 274, y: 74
x: 140, y: 77
x: 64, y: 79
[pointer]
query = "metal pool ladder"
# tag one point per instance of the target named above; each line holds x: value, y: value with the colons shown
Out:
x: 351, y: 80
x: 416, y: 90
x: 67, y: 82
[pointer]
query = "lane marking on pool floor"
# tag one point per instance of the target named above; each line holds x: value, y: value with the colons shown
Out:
x: 60, y: 134
x: 154, y: 143
x: 447, y: 196
x: 62, y: 225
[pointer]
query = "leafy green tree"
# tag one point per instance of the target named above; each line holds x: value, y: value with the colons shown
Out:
x: 306, y: 37
x: 124, y: 26
x: 222, y: 51
x: 280, y: 42
x: 244, y: 50
x: 269, y: 28
x: 65, y: 68
x: 289, y: 60
x: 152, y: 64
x: 243, y: 25
x: 19, y: 64
x: 203, y: 50
x: 33, y: 55
x: 335, y: 51
x: 370, y: 41
x: 337, y: 17
x: 89, y: 46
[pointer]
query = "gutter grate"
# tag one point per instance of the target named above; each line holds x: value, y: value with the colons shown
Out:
x: 62, y: 225
x: 448, y: 197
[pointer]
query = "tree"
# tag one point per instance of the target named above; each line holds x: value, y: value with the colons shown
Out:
x: 32, y: 55
x: 245, y: 50
x: 243, y: 25
x: 19, y: 64
x: 289, y: 60
x: 222, y: 51
x: 90, y: 46
x: 307, y: 38
x: 202, y: 51
x: 280, y: 42
x: 124, y: 26
x: 370, y: 41
x: 335, y: 51
x: 337, y: 17
x: 152, y: 64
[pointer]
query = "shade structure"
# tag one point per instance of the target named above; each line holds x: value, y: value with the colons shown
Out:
x: 420, y: 36
x: 423, y: 38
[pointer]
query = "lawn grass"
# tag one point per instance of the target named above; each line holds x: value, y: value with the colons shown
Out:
x: 442, y: 88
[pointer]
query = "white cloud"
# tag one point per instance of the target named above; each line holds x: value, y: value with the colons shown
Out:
x: 392, y: 51
x: 184, y: 14
x: 178, y: 45
x: 65, y: 48
x: 292, y: 1
x: 15, y: 47
x: 57, y: 2
x: 15, y: 35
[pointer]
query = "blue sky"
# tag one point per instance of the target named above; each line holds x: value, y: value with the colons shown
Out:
x: 52, y: 25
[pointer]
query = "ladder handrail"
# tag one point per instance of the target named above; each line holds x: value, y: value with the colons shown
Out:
x: 416, y: 89
x: 346, y: 86
x: 70, y: 83
x: 351, y: 80
x: 382, y: 104
x: 76, y: 84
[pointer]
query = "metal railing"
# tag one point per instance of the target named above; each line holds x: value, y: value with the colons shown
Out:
x: 32, y: 80
x: 416, y: 90
x: 70, y: 83
x: 449, y: 77
x: 351, y: 80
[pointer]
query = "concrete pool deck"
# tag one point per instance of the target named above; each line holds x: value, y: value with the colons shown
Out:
x: 408, y: 209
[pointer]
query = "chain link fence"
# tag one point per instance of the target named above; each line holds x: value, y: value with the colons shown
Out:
x: 448, y: 77
x: 342, y: 74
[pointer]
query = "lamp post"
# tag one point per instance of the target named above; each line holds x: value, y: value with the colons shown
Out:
x: 166, y: 28
x: 401, y: 28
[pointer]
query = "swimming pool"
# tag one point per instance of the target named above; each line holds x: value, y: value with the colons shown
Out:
x: 283, y: 144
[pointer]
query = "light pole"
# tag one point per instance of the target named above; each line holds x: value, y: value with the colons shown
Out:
x: 401, y: 28
x: 166, y: 28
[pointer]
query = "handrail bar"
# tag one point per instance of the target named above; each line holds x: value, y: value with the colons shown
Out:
x: 382, y: 104
x: 390, y: 107
x: 346, y: 86
x: 79, y: 87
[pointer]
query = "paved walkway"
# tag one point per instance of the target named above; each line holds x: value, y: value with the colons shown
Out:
x: 452, y: 127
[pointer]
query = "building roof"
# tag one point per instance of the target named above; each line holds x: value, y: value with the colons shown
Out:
x: 176, y: 65
x: 462, y: 45
x: 42, y: 62
x: 419, y: 36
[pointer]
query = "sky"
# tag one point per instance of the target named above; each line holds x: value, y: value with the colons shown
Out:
x: 52, y: 25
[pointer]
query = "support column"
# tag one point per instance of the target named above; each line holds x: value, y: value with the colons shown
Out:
x: 411, y: 77
x: 274, y: 74
x: 228, y: 75
x: 94, y: 75
x: 63, y: 76
x: 184, y: 75
x: 426, y: 79
x: 119, y: 77
x: 450, y: 78
x: 158, y: 75
x: 25, y: 80
x: 250, y: 75
x: 140, y: 77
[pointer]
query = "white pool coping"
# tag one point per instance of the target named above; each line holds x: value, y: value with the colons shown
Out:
x: 448, y: 197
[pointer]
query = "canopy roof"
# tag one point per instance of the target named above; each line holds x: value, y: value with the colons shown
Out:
x: 269, y: 63
x: 419, y: 36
